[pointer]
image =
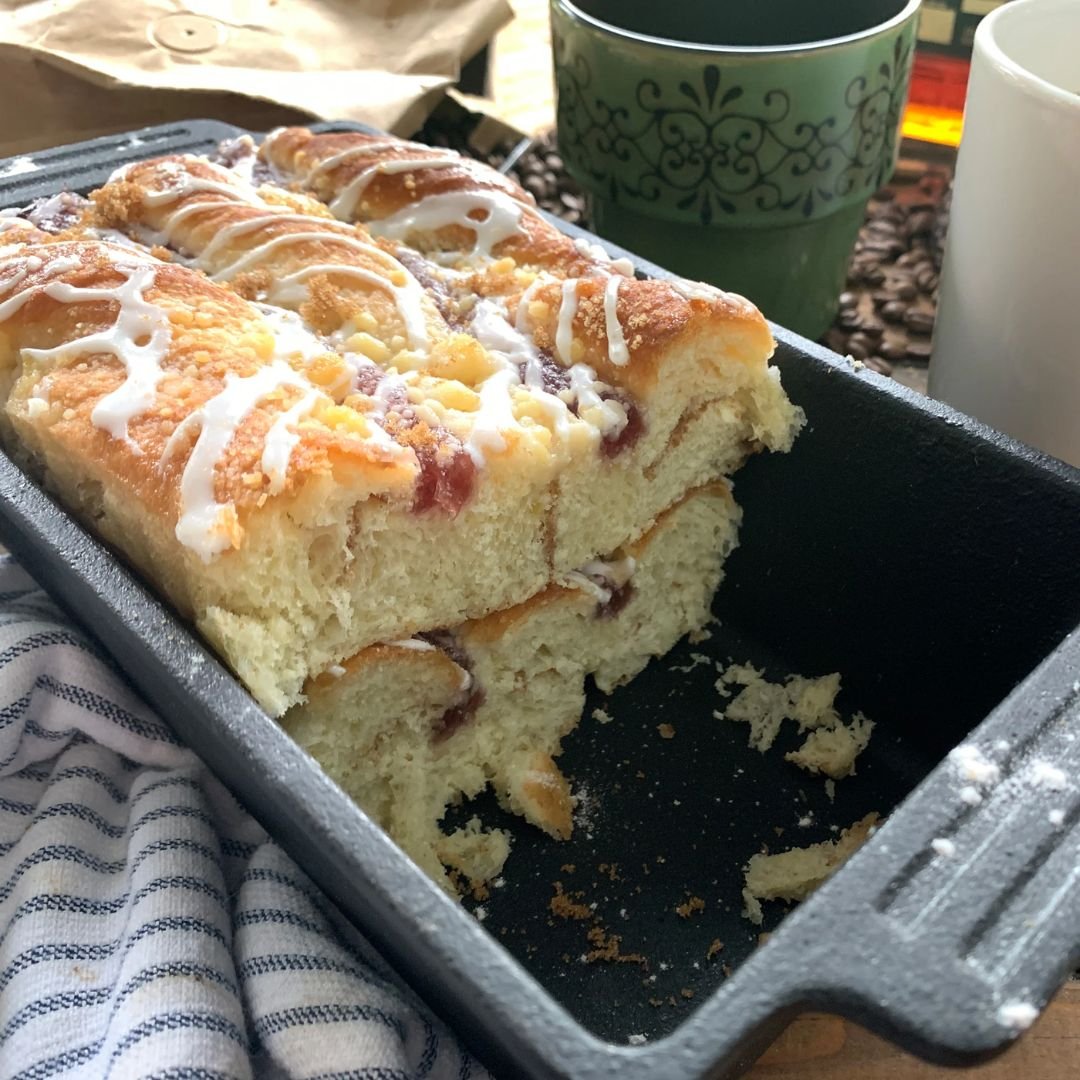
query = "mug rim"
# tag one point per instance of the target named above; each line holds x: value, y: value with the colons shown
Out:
x: 987, y: 42
x: 902, y: 16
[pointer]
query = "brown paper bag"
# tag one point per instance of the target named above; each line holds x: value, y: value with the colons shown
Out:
x: 73, y: 69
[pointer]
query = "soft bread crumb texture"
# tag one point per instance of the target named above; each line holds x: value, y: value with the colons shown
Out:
x: 831, y: 747
x: 520, y: 675
x: 793, y: 875
x: 476, y: 852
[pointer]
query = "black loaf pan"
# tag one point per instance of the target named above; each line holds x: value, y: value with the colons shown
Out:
x: 930, y: 560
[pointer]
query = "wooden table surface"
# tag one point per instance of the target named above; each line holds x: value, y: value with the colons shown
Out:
x: 815, y: 1046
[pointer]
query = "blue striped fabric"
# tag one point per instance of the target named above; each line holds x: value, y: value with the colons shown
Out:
x: 148, y: 927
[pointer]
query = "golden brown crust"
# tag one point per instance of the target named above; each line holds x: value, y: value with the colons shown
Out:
x: 431, y: 664
x: 653, y: 315
x: 213, y: 334
x: 234, y: 233
x: 298, y: 154
x: 491, y: 627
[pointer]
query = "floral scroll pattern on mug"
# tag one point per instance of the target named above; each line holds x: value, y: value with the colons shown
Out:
x: 705, y: 149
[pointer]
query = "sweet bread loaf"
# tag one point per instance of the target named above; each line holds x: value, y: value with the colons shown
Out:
x: 412, y: 460
x: 410, y: 727
x: 379, y: 443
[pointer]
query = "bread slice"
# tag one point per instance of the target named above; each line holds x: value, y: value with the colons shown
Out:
x: 410, y: 727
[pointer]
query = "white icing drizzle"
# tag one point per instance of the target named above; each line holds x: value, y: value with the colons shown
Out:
x: 606, y: 414
x: 564, y: 332
x: 184, y: 183
x: 344, y: 204
x: 291, y: 334
x: 618, y: 353
x: 517, y: 352
x: 280, y: 440
x: 260, y: 251
x: 601, y: 578
x: 14, y: 224
x: 521, y: 317
x: 595, y: 252
x: 139, y: 339
x: 696, y: 290
x: 407, y: 297
x: 364, y: 150
x: 22, y: 268
x: 202, y: 524
x: 414, y: 643
x: 225, y: 236
x: 502, y: 220
x: 496, y: 414
x: 701, y: 290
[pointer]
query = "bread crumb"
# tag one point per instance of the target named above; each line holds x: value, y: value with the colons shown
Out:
x: 606, y: 949
x: 687, y: 992
x: 693, y: 904
x: 795, y: 874
x: 602, y: 716
x: 765, y: 706
x: 636, y: 1040
x: 477, y: 853
x: 714, y: 949
x: 565, y: 908
x: 666, y: 731
x: 833, y: 750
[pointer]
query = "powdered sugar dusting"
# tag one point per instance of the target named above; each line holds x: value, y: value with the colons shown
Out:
x: 1018, y: 1015
x: 1049, y: 776
x: 973, y: 765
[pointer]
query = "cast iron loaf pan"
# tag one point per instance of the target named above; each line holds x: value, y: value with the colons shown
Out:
x: 929, y: 560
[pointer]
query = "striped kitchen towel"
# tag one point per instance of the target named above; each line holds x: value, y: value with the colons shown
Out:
x: 148, y: 927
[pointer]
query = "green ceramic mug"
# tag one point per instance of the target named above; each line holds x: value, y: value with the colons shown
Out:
x: 735, y: 142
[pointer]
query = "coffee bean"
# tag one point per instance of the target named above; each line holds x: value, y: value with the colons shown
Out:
x: 893, y: 350
x: 894, y: 311
x: 836, y: 340
x: 927, y: 279
x: 919, y: 322
x: 874, y: 275
x: 909, y: 258
x: 906, y: 291
x: 921, y: 223
x: 848, y: 300
x: 555, y: 162
x: 861, y: 341
x: 857, y: 349
x: 535, y: 186
x: 871, y: 327
x: 878, y: 364
x: 880, y: 228
x: 919, y: 350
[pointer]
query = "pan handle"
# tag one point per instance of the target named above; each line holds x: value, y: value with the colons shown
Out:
x: 953, y: 928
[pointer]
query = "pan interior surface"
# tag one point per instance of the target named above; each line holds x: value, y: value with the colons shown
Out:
x: 918, y: 561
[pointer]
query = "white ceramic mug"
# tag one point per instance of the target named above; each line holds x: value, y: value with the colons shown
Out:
x: 1007, y: 341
